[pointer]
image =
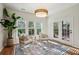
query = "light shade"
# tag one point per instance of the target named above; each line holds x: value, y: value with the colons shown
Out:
x: 41, y: 12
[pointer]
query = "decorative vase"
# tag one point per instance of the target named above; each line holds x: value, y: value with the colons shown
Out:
x: 9, y: 42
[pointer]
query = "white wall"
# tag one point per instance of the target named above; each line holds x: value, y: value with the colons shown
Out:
x: 70, y: 15
x: 1, y: 28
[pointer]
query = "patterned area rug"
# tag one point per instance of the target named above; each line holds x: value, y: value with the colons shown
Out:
x: 41, y: 48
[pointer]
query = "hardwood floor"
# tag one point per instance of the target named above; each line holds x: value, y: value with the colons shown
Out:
x: 7, y: 51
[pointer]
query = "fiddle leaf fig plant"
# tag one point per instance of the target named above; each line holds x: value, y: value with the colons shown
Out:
x: 8, y: 22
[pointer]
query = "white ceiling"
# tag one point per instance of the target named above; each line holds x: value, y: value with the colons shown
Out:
x: 30, y: 7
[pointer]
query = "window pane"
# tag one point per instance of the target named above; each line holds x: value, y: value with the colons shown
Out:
x: 31, y: 28
x: 21, y: 31
x: 56, y: 30
x: 31, y: 24
x: 38, y: 28
x: 38, y: 25
x: 21, y: 24
x: 31, y: 31
x: 38, y: 31
x: 65, y: 30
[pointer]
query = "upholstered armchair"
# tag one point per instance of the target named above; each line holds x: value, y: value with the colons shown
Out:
x: 43, y: 36
x: 24, y: 40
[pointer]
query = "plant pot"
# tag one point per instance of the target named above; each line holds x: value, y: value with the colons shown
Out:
x: 9, y: 42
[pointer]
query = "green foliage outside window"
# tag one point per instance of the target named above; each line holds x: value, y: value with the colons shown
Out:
x: 21, y: 31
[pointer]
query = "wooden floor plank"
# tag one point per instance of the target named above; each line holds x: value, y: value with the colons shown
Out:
x: 7, y: 51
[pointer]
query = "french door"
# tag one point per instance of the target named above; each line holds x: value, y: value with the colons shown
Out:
x: 63, y: 29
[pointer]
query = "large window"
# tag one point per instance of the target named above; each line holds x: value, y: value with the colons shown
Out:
x: 38, y: 28
x: 21, y: 27
x: 34, y: 28
x: 31, y: 28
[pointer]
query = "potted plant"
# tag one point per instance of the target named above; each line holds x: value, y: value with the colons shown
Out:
x: 8, y: 22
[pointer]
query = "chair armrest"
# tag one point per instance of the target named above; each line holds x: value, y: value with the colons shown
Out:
x: 27, y: 42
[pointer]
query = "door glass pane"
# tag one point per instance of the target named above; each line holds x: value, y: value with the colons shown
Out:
x: 56, y: 30
x: 65, y: 30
